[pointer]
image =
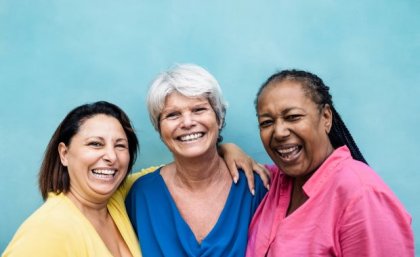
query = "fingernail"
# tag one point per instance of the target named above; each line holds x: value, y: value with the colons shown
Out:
x: 253, y: 192
x: 267, y: 186
x: 235, y: 180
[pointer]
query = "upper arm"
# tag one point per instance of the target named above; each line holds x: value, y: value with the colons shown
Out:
x: 41, y: 240
x: 375, y: 224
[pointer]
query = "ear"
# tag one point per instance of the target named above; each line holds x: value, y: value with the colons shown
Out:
x: 219, y: 120
x: 219, y: 123
x: 63, y: 151
x: 327, y: 117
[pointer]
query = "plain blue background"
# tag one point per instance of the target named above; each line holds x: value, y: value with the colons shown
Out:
x: 57, y: 54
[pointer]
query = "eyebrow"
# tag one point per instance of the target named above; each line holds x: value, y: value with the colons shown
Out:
x: 172, y: 109
x: 101, y: 138
x: 283, y: 112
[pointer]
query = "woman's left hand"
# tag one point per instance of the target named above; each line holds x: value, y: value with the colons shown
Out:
x: 236, y: 159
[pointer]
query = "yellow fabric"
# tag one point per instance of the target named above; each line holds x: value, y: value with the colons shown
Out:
x: 126, y: 186
x: 58, y: 228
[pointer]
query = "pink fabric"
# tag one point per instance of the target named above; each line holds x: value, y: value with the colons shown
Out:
x: 350, y: 212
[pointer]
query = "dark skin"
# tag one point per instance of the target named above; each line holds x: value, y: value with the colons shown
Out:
x: 294, y: 131
x: 298, y: 197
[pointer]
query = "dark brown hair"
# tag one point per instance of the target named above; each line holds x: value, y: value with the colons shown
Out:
x: 53, y: 176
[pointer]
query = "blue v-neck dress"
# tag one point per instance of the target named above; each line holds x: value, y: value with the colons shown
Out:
x: 163, y: 232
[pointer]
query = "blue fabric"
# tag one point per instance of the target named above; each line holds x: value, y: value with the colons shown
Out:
x: 163, y: 232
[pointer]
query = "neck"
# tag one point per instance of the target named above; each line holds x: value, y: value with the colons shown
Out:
x: 91, y: 209
x: 298, y: 197
x: 199, y: 173
x: 301, y: 180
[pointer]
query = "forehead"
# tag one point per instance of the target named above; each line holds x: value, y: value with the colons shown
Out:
x: 177, y: 100
x: 284, y: 96
x: 101, y: 125
x: 287, y: 91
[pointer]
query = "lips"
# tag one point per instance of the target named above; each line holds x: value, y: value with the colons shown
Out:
x: 288, y: 153
x: 190, y: 137
x: 104, y: 173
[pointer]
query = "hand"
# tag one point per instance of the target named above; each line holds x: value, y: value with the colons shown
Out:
x: 236, y: 159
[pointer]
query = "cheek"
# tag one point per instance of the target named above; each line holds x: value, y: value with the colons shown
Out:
x: 75, y: 160
x: 124, y: 158
x: 265, y: 137
x: 167, y: 128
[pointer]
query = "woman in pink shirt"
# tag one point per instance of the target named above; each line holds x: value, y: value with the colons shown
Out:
x: 324, y: 200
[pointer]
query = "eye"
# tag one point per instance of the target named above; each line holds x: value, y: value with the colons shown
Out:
x: 122, y: 146
x: 95, y: 144
x: 265, y: 123
x: 171, y: 115
x: 293, y: 117
x: 199, y: 110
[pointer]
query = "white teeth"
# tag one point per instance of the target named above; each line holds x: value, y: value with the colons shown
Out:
x: 288, y: 150
x: 288, y: 153
x: 191, y: 137
x: 104, y: 172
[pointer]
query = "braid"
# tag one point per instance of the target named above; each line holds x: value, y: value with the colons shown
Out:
x: 340, y: 135
x: 319, y: 92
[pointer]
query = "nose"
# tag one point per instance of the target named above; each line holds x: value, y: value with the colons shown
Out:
x: 187, y: 120
x: 281, y: 130
x: 109, y: 155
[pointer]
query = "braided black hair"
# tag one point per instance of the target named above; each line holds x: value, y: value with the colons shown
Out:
x: 319, y: 92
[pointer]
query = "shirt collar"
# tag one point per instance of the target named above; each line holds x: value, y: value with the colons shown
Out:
x: 327, y: 168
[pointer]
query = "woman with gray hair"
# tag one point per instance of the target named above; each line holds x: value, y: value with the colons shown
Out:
x: 190, y: 207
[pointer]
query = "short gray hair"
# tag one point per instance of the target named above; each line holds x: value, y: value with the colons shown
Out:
x: 189, y: 80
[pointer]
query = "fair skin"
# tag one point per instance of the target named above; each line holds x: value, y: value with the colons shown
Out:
x: 97, y: 160
x: 235, y: 158
x: 294, y: 131
x: 198, y: 179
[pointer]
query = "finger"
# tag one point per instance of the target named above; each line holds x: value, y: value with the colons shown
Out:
x: 249, y: 173
x: 264, y: 174
x: 233, y: 170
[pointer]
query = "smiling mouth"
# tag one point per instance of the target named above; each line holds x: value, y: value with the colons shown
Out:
x: 190, y: 137
x: 289, y: 153
x: 104, y: 173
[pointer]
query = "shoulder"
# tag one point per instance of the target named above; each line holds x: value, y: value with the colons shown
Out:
x: 136, y: 175
x: 259, y: 187
x: 130, y: 181
x: 360, y: 185
x: 257, y: 179
x: 57, y: 213
x: 352, y: 174
x: 341, y: 169
x: 47, y: 232
x: 148, y: 181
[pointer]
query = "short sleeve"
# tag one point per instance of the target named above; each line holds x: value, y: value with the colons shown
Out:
x: 375, y: 224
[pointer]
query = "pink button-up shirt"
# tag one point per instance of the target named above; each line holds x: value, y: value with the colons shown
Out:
x: 350, y: 212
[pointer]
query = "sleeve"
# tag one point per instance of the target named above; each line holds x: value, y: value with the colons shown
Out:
x: 125, y: 188
x: 375, y: 224
x: 44, y: 241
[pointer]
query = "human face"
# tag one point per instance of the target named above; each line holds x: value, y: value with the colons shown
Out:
x: 293, y: 129
x: 97, y: 158
x: 188, y: 126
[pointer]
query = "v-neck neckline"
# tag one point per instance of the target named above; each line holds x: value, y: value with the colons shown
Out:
x: 178, y: 213
x: 92, y: 228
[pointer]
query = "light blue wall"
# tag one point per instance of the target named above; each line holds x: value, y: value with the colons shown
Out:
x: 56, y: 54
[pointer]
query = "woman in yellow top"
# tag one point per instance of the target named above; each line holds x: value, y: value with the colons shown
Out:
x: 81, y: 179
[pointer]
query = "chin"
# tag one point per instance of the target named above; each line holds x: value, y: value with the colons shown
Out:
x: 108, y: 190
